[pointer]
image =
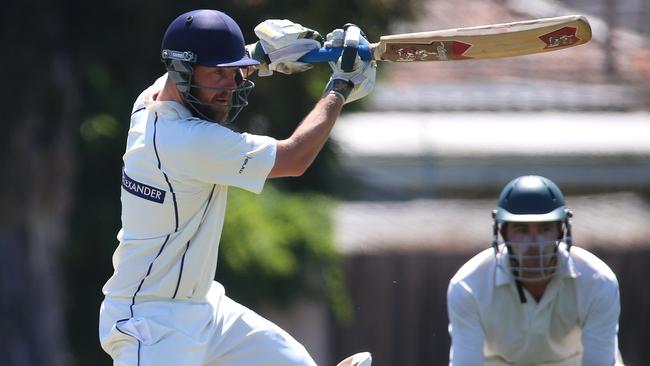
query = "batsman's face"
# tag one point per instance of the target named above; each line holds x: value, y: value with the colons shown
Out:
x: 533, y: 247
x: 214, y: 86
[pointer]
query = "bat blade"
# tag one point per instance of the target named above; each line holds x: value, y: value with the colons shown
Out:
x: 482, y: 42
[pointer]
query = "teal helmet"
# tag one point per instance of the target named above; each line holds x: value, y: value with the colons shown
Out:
x: 531, y: 199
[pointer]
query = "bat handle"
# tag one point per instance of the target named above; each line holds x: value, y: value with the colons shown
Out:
x: 326, y: 54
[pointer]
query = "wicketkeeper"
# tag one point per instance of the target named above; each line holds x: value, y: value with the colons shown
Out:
x: 533, y: 298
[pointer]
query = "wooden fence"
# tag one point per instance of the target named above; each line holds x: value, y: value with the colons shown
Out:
x: 400, y: 311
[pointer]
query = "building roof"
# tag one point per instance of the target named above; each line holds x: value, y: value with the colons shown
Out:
x: 612, y: 221
x: 399, y: 155
x: 391, y: 134
x: 508, y: 94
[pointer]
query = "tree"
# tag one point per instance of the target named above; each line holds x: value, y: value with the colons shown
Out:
x: 38, y: 157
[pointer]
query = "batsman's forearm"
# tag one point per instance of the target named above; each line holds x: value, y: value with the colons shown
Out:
x: 295, y: 154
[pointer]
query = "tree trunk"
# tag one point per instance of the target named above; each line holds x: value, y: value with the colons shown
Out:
x: 37, y: 158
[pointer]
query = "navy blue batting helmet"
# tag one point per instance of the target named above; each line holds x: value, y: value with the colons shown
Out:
x: 206, y: 37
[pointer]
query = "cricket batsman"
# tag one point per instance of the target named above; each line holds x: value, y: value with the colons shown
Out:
x: 533, y: 298
x: 161, y: 304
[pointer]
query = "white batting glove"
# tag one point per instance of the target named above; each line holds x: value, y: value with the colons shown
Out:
x: 335, y: 38
x: 281, y: 44
x: 353, y: 85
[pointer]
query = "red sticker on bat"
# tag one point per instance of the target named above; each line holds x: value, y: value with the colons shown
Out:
x: 562, y: 37
x: 459, y: 48
x: 436, y: 50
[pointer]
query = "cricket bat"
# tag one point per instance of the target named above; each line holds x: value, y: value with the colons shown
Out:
x: 473, y: 43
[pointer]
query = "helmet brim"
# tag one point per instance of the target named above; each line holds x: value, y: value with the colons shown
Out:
x: 559, y: 214
x: 244, y: 62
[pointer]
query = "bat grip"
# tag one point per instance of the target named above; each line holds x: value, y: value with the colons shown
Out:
x: 326, y: 54
x: 350, y: 47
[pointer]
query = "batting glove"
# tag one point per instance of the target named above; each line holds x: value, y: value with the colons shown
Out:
x: 281, y: 44
x: 355, y: 84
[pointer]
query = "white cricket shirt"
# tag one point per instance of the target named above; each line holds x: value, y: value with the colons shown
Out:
x: 174, y: 187
x: 575, y: 322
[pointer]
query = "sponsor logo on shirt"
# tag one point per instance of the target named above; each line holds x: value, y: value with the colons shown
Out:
x: 142, y: 190
x: 243, y: 166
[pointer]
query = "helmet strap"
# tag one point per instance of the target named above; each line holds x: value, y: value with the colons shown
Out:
x: 567, y: 223
x: 495, y: 232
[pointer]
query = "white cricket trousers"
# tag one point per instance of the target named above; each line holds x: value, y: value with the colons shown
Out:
x: 214, y: 332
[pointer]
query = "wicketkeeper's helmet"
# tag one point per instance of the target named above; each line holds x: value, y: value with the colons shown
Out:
x: 208, y: 38
x: 531, y: 199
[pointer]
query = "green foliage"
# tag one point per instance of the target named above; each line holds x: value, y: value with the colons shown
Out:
x: 276, y: 247
x: 99, y: 126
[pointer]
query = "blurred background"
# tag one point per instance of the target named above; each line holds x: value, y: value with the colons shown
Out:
x: 355, y: 255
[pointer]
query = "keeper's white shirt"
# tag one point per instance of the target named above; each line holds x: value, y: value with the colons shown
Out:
x: 174, y: 186
x: 575, y: 322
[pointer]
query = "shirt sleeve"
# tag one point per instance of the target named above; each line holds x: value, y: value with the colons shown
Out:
x: 467, y: 335
x: 599, y: 332
x: 212, y: 153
